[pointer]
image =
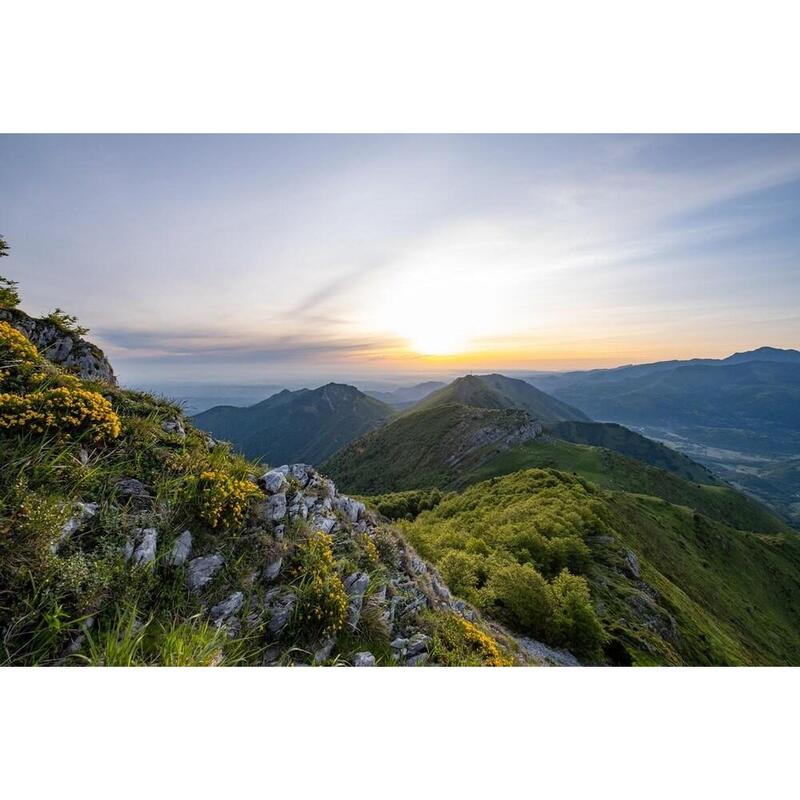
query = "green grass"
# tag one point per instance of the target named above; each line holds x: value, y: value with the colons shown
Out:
x: 611, y: 470
x: 706, y: 594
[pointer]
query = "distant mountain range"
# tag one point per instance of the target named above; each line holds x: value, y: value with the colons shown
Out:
x: 306, y: 425
x: 739, y: 415
x: 406, y: 395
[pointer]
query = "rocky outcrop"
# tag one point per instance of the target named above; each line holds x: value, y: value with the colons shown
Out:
x: 517, y: 428
x: 62, y: 347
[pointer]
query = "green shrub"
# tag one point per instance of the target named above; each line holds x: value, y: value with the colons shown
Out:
x: 321, y: 598
x: 456, y: 642
x: 575, y: 624
x: 519, y: 595
x: 218, y: 498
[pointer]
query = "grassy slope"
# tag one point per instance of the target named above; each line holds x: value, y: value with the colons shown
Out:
x: 634, y: 445
x: 611, y: 470
x: 707, y: 593
x: 412, y: 451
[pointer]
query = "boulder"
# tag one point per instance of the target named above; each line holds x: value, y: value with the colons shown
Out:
x: 280, y: 610
x: 272, y: 570
x: 173, y: 427
x: 274, y: 481
x: 181, y: 550
x: 355, y: 586
x: 201, y: 570
x: 145, y: 552
x: 324, y: 524
x: 417, y: 644
x: 276, y: 507
x: 227, y: 608
x: 352, y: 509
x: 364, y: 659
x: 301, y: 473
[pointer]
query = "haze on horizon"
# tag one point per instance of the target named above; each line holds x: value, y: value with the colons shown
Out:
x: 286, y: 259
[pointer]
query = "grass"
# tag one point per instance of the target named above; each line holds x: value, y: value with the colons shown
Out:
x: 707, y: 593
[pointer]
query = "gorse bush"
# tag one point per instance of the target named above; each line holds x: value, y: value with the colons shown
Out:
x: 321, y: 598
x: 71, y: 413
x: 220, y: 499
x: 457, y: 642
x: 37, y: 398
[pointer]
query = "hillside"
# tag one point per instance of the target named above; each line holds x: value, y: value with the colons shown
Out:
x: 668, y: 585
x: 306, y: 425
x: 611, y: 470
x: 498, y: 391
x: 128, y: 537
x: 429, y: 447
x: 739, y: 416
x: 629, y: 443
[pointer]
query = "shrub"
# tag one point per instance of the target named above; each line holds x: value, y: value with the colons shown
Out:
x: 456, y: 642
x: 70, y: 413
x: 219, y: 499
x: 321, y: 598
x: 575, y: 624
x: 66, y: 323
x: 19, y: 358
x: 520, y: 595
x: 460, y: 571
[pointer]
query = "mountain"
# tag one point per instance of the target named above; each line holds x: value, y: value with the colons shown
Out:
x: 622, y: 440
x: 498, y: 391
x: 130, y: 537
x: 552, y: 381
x: 429, y: 447
x: 406, y: 395
x: 739, y: 416
x: 306, y: 425
x: 755, y: 394
x: 668, y: 585
x: 452, y: 447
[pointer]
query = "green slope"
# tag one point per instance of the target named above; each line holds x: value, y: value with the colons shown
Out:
x: 498, y: 391
x: 669, y: 585
x: 611, y: 470
x: 634, y: 445
x: 425, y: 448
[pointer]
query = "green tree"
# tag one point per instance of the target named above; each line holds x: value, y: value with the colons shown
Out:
x: 9, y: 296
x: 575, y: 625
x: 521, y: 596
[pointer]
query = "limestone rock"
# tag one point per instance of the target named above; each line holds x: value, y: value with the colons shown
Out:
x: 174, y: 427
x: 280, y: 610
x: 364, y: 659
x: 276, y: 507
x: 201, y: 570
x: 181, y: 550
x: 145, y: 551
x: 227, y: 608
x: 272, y: 570
x: 355, y: 586
x: 274, y: 481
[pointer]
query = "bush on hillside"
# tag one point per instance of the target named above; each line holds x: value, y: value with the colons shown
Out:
x: 321, y: 598
x: 456, y: 642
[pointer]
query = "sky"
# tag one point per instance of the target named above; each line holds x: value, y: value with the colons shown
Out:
x: 300, y: 259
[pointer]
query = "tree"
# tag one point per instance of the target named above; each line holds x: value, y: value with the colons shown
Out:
x: 9, y: 296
